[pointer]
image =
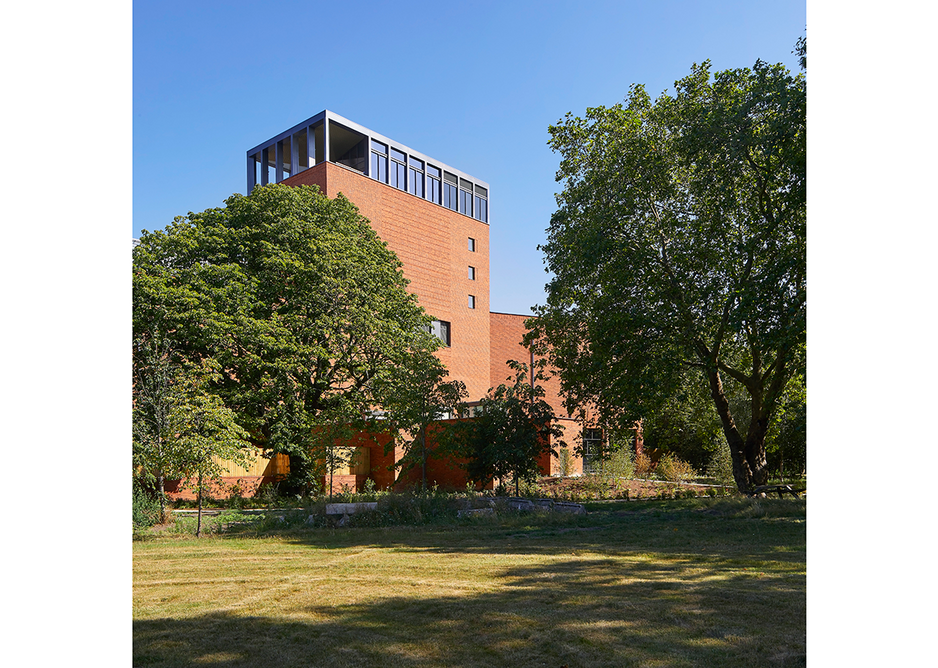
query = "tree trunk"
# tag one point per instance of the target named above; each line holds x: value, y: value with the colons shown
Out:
x: 742, y: 473
x: 160, y: 488
x: 639, y: 438
x: 755, y: 452
x: 423, y: 458
x: 198, y: 526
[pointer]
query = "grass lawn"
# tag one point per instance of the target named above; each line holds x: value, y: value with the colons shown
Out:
x: 695, y: 582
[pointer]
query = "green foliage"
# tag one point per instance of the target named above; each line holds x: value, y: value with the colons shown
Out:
x: 566, y: 461
x: 786, y: 444
x: 296, y: 302
x: 720, y: 467
x: 146, y: 507
x: 509, y: 431
x: 180, y: 431
x: 156, y: 454
x: 205, y: 433
x: 618, y: 464
x: 417, y: 397
x: 686, y: 424
x: 679, y: 242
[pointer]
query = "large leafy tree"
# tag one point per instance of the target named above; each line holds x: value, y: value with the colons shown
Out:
x: 679, y: 242
x: 296, y: 301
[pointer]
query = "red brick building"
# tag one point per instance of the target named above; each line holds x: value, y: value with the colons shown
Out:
x: 436, y: 219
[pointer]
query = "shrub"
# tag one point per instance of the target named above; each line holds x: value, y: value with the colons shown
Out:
x: 720, y: 467
x: 642, y: 466
x: 675, y: 470
x: 146, y: 507
x: 618, y: 465
x: 565, y: 461
x: 414, y: 508
x: 236, y: 498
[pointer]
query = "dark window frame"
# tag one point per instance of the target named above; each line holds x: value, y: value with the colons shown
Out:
x: 592, y: 439
x: 442, y: 330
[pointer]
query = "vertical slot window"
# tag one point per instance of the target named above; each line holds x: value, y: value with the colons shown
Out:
x: 472, y: 273
x: 433, y: 184
x: 318, y: 144
x: 379, y: 162
x: 472, y: 245
x: 472, y: 301
x: 592, y: 450
x: 450, y: 191
x: 398, y: 170
x: 415, y: 176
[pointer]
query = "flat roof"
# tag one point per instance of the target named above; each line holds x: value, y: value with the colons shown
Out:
x: 326, y: 115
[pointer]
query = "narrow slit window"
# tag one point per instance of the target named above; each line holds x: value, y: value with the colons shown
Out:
x: 472, y: 273
x: 472, y: 301
x: 256, y: 159
x: 465, y: 197
x: 301, y: 141
x: 481, y: 208
x: 285, y: 163
x: 472, y: 245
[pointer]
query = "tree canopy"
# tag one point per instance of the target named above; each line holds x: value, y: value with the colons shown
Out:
x: 180, y: 431
x: 296, y: 301
x: 422, y: 397
x: 679, y: 241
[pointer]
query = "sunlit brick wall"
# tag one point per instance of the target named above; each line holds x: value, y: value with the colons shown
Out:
x: 432, y: 242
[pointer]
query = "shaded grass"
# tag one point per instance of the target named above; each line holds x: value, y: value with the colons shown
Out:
x: 680, y: 583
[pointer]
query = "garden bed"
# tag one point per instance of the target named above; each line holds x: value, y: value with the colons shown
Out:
x: 593, y: 487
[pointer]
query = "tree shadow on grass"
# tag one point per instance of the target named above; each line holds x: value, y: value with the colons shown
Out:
x: 578, y: 612
x: 675, y: 589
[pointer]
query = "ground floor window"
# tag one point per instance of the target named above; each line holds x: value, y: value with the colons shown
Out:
x: 592, y: 450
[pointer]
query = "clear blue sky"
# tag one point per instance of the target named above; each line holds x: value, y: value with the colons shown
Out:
x: 473, y: 84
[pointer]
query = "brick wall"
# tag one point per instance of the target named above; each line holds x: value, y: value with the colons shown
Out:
x: 432, y: 243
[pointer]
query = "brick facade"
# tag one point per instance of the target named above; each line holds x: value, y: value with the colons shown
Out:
x: 432, y: 243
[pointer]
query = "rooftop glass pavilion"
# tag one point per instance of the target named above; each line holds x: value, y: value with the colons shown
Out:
x: 328, y: 137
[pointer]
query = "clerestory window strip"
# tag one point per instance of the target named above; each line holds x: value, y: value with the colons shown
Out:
x: 321, y: 137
